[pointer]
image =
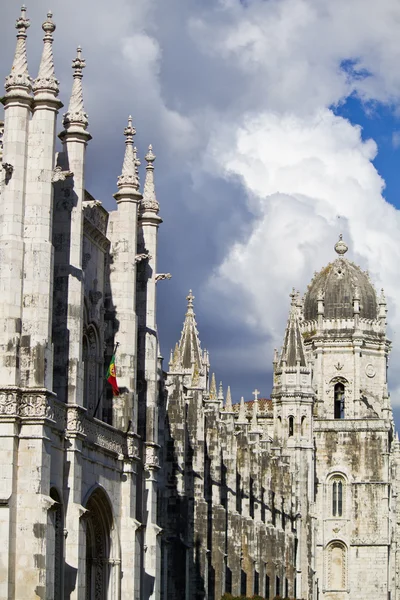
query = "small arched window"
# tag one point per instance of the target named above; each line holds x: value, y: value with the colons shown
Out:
x: 339, y: 401
x: 291, y: 426
x: 337, y: 496
x: 303, y: 426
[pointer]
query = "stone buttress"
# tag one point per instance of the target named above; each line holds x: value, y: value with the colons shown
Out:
x: 148, y: 374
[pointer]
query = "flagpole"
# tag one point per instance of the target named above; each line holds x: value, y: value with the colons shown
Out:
x: 104, y: 384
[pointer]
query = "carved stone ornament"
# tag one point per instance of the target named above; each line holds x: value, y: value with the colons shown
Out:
x: 162, y: 276
x: 339, y: 366
x: 60, y: 175
x: 370, y: 371
x: 152, y: 460
x: 143, y: 256
x: 8, y: 403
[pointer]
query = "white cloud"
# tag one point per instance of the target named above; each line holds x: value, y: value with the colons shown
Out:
x: 308, y: 178
x: 243, y: 92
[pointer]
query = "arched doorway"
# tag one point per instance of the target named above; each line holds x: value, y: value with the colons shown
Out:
x: 99, y: 524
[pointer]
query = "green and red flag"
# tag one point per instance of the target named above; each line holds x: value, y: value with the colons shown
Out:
x: 112, y: 376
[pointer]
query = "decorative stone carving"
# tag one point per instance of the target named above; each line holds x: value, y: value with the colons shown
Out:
x: 33, y: 405
x: 60, y: 175
x: 370, y: 371
x: 8, y: 403
x: 162, y: 276
x: 140, y: 257
x: 151, y: 459
x: 75, y: 419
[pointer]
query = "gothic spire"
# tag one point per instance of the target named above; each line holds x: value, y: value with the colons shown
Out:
x: 18, y: 82
x: 189, y: 344
x: 128, y: 175
x: 46, y: 80
x: 213, y: 388
x: 228, y: 402
x: 242, y: 418
x: 149, y: 202
x: 76, y: 116
x: 293, y: 349
x: 221, y: 393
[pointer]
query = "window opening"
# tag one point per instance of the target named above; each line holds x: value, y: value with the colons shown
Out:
x: 291, y: 426
x: 337, y: 498
x: 339, y: 401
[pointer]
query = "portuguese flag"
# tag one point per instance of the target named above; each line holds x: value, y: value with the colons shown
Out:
x: 112, y: 377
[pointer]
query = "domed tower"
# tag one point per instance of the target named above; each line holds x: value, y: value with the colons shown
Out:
x: 343, y: 327
x: 344, y: 331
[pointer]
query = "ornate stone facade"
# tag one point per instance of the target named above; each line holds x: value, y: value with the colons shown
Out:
x: 169, y: 490
x: 77, y: 512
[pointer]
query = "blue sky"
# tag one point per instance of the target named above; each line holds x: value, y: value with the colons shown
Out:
x: 269, y: 120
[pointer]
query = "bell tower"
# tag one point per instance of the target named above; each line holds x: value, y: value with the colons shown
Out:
x: 343, y: 326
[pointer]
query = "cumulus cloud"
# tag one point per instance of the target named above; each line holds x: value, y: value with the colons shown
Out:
x: 256, y: 173
x: 307, y: 180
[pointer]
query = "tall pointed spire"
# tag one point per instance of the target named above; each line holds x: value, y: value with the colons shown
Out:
x: 46, y: 81
x: 189, y: 344
x: 213, y: 388
x: 18, y: 82
x: 293, y: 349
x: 221, y: 393
x: 76, y: 116
x: 149, y: 202
x: 128, y: 175
x: 228, y: 402
x: 242, y: 418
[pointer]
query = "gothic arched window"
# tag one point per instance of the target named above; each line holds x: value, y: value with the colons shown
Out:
x: 91, y: 376
x: 337, y: 484
x: 291, y: 426
x: 339, y: 401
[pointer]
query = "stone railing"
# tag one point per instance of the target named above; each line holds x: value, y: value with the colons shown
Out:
x: 41, y: 405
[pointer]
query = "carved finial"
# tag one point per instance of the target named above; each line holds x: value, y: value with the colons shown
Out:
x: 228, y: 403
x: 221, y: 393
x: 137, y: 164
x: 276, y: 356
x: 213, y: 388
x: 341, y: 247
x: 176, y: 359
x: 256, y: 394
x: 382, y: 306
x: 128, y: 175
x: 242, y: 412
x: 46, y: 80
x: 76, y: 112
x: 18, y: 82
x: 149, y: 202
x: 255, y: 414
x: 190, y: 299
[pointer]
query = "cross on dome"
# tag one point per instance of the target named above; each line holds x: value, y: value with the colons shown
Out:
x: 255, y: 394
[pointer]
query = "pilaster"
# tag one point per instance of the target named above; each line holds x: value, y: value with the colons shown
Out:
x: 36, y: 344
x: 17, y: 111
x: 68, y: 297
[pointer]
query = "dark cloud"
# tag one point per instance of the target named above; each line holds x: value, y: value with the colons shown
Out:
x: 191, y: 73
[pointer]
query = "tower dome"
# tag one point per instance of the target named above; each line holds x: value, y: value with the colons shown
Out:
x: 339, y: 283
